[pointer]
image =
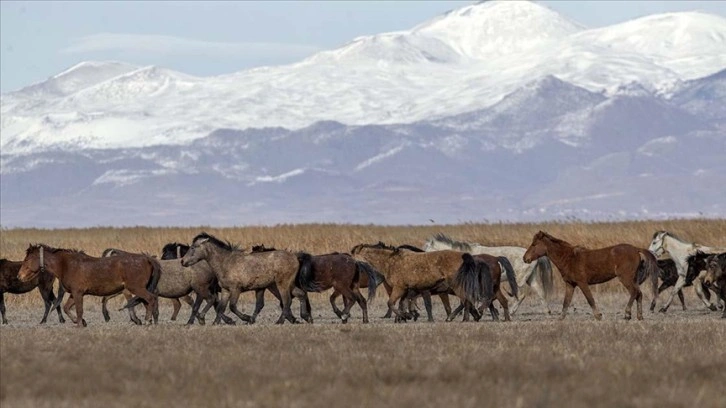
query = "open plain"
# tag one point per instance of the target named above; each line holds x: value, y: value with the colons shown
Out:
x: 667, y: 360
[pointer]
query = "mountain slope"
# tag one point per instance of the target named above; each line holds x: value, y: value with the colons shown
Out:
x: 466, y: 60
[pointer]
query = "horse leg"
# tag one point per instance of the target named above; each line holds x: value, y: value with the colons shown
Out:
x: 221, y: 307
x: 233, y: 299
x: 539, y: 291
x: 176, y: 304
x: 522, y: 295
x: 661, y: 288
x: 427, y: 304
x: 286, y: 298
x: 362, y: 302
x: 505, y: 304
x: 151, y: 302
x: 683, y: 301
x: 388, y: 289
x: 78, y: 299
x: 57, y: 302
x: 445, y: 301
x: 396, y: 294
x: 569, y: 291
x: 2, y: 307
x: 48, y: 299
x: 680, y: 283
x: 67, y: 308
x: 259, y: 303
x: 456, y: 312
x: 334, y: 296
x: 585, y: 288
x: 703, y: 294
x: 306, y: 311
x: 195, y: 309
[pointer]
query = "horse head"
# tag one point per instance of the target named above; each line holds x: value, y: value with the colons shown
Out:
x: 657, y: 244
x: 537, y: 249
x: 33, y: 264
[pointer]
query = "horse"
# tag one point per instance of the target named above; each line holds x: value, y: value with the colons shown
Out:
x: 81, y: 275
x: 423, y: 272
x: 581, y: 267
x: 663, y: 243
x: 668, y: 275
x: 535, y: 277
x: 237, y: 272
x: 492, y: 266
x: 9, y: 283
x: 177, y: 281
x: 339, y: 271
x: 716, y: 276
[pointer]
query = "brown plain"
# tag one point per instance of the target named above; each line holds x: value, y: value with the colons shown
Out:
x: 667, y: 360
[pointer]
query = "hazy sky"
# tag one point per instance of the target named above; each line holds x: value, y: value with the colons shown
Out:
x: 40, y: 39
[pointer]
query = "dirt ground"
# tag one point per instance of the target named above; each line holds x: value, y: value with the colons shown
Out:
x: 672, y: 360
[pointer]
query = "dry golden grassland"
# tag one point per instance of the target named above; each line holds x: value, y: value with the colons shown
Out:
x: 672, y: 360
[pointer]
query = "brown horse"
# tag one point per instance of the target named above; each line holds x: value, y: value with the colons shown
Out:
x: 581, y: 267
x: 716, y: 276
x: 177, y: 281
x: 238, y: 272
x: 492, y: 266
x: 339, y: 271
x: 81, y: 275
x: 176, y: 304
x: 9, y: 283
x: 428, y: 271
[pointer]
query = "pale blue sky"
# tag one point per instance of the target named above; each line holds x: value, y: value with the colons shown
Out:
x: 40, y: 39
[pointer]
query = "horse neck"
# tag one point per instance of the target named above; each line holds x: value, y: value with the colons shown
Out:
x: 560, y: 254
x: 679, y: 251
x: 56, y: 263
x: 381, y: 260
x: 217, y: 259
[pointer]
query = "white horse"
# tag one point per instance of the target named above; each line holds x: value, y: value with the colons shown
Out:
x: 536, y: 276
x: 666, y: 243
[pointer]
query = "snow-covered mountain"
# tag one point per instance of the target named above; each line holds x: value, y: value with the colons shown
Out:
x: 499, y: 110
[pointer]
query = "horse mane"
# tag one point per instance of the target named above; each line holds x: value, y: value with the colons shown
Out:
x: 172, y: 245
x: 216, y: 241
x: 410, y: 248
x: 52, y: 250
x: 670, y: 234
x: 262, y: 248
x: 457, y: 245
x: 379, y: 245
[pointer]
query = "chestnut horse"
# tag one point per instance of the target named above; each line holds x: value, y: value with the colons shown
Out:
x: 581, y: 267
x: 81, y: 275
x: 9, y: 283
x: 339, y: 271
x: 716, y: 276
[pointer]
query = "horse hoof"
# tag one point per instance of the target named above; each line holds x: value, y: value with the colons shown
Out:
x: 599, y: 316
x: 173, y: 319
x: 5, y: 321
x: 640, y: 317
x: 713, y: 308
x: 663, y: 310
x: 627, y: 317
x: 83, y: 321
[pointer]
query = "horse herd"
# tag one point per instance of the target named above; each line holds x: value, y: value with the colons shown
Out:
x: 217, y: 272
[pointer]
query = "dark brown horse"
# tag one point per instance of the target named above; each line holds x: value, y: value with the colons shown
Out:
x: 716, y: 276
x: 339, y: 271
x: 81, y: 275
x: 493, y: 266
x: 581, y: 267
x: 9, y: 283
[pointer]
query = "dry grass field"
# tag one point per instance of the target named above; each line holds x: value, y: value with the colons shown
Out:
x: 672, y: 360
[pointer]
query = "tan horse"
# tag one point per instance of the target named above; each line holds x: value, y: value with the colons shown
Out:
x: 239, y: 272
x: 418, y: 271
x: 81, y: 275
x: 581, y: 267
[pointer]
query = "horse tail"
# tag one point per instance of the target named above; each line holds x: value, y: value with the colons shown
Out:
x: 155, y: 274
x: 544, y: 265
x: 511, y: 277
x: 305, y: 278
x: 467, y: 278
x: 648, y: 267
x: 487, y: 283
x: 365, y: 267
